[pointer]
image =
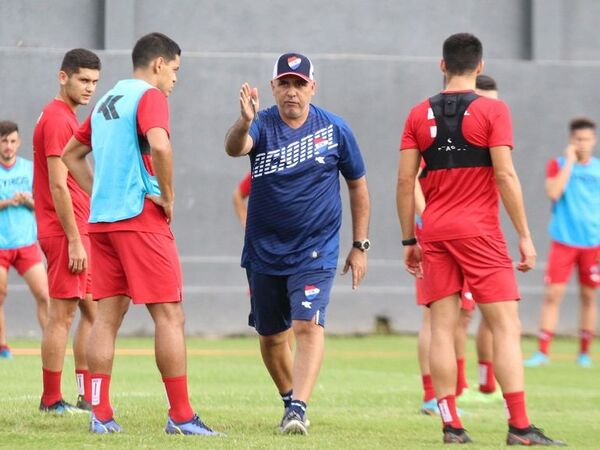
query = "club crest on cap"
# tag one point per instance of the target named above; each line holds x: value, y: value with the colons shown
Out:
x: 294, y: 62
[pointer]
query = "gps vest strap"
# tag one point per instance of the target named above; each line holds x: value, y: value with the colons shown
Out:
x: 450, y: 149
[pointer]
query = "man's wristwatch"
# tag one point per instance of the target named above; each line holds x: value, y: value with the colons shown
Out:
x: 411, y: 241
x: 363, y: 245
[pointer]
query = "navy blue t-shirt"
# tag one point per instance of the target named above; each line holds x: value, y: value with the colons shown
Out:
x: 294, y: 211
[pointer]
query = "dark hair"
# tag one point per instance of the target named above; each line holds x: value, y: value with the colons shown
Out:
x: 462, y: 52
x: 79, y: 58
x: 486, y: 83
x: 7, y: 127
x: 582, y: 123
x: 152, y: 46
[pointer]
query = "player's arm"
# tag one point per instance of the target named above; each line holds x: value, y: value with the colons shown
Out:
x: 512, y: 198
x: 162, y: 162
x: 408, y: 169
x: 555, y: 185
x: 360, y: 208
x: 419, y: 197
x: 57, y: 174
x: 7, y: 203
x: 237, y: 140
x: 239, y: 205
x: 74, y: 158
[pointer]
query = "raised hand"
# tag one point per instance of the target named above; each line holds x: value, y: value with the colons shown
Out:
x: 248, y: 102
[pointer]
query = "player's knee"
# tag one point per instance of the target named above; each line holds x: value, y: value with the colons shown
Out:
x: 3, y: 293
x: 305, y: 328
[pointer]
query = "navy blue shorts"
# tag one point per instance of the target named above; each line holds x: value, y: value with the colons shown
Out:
x: 276, y: 300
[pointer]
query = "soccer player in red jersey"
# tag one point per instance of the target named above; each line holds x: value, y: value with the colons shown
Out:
x: 62, y: 209
x: 18, y: 230
x: 466, y: 141
x: 131, y: 209
x: 485, y: 86
x: 240, y: 196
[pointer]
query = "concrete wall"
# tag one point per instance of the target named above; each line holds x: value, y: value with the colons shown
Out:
x: 359, y: 77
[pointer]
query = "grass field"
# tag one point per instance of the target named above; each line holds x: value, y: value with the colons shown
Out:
x: 367, y: 397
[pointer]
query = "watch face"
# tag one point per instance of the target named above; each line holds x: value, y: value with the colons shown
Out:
x: 366, y: 245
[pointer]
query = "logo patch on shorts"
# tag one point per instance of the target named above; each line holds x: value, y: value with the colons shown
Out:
x: 311, y: 292
x: 307, y: 305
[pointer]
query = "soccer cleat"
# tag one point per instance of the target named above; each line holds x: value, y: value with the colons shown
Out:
x: 194, y: 426
x: 430, y: 408
x: 5, y: 352
x: 469, y: 396
x: 537, y: 359
x: 530, y: 436
x: 61, y: 407
x: 83, y: 404
x: 104, y: 426
x: 456, y: 435
x: 584, y: 360
x: 293, y: 423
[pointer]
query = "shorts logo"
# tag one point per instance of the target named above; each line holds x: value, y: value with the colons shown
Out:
x: 307, y: 305
x: 311, y: 292
x: 294, y: 62
x: 595, y: 273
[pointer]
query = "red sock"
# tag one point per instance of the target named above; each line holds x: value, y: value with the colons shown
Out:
x: 461, y: 378
x: 428, y: 392
x: 180, y: 409
x: 52, y: 392
x: 84, y: 384
x: 101, y: 406
x: 487, y: 380
x: 515, y: 408
x: 447, y: 407
x: 585, y: 340
x: 544, y: 341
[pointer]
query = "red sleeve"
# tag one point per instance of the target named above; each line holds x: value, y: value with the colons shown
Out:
x: 245, y: 185
x: 552, y: 168
x: 501, y: 126
x: 409, y: 136
x: 57, y: 133
x: 153, y: 112
x: 84, y: 133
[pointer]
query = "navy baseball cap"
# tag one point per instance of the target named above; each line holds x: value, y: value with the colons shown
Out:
x: 294, y: 64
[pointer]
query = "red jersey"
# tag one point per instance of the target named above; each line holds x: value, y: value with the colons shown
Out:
x: 152, y: 112
x: 246, y: 185
x: 460, y: 202
x: 54, y: 128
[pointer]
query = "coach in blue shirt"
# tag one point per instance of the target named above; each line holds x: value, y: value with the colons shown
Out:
x: 297, y: 151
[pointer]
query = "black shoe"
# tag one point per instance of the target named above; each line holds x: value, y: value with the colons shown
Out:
x: 61, y: 407
x: 530, y: 436
x: 456, y: 435
x: 82, y: 403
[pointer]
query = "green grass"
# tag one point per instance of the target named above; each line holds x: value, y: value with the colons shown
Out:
x: 367, y: 397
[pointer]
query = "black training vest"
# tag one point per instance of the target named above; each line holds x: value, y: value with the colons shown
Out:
x: 450, y: 149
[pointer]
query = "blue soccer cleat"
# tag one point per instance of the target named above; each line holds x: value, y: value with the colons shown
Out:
x: 5, y: 352
x: 104, y: 427
x: 194, y: 426
x: 584, y: 360
x: 537, y: 359
x: 430, y: 408
x: 61, y: 407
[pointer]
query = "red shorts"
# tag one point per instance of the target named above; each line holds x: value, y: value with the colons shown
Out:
x: 466, y: 297
x: 22, y: 258
x: 62, y: 283
x: 563, y: 257
x: 482, y: 262
x: 142, y: 266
